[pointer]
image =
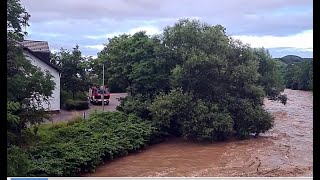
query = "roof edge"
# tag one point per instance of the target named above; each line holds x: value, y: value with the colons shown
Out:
x: 46, y: 62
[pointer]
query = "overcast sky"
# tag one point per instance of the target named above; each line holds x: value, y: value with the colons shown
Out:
x: 283, y: 26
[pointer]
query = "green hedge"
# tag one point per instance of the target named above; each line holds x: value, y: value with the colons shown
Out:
x: 70, y: 148
x: 76, y: 105
x: 18, y: 162
x: 65, y: 96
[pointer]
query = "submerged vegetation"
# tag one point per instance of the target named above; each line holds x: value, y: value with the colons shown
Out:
x: 191, y: 81
x: 196, y: 82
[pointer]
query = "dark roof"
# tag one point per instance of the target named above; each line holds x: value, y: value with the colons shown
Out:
x: 39, y: 57
x: 39, y: 49
x: 36, y: 46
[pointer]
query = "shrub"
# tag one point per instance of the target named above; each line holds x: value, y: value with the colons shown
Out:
x: 76, y: 105
x: 64, y: 96
x: 81, y: 96
x: 137, y: 105
x: 18, y: 162
x: 177, y: 114
x: 249, y: 118
x: 208, y: 123
x: 70, y: 149
x: 171, y: 110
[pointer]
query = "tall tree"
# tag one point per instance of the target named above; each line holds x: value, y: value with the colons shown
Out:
x: 300, y: 75
x: 73, y: 70
x: 136, y: 63
x: 270, y: 76
x: 28, y: 85
x: 220, y: 77
x: 17, y: 18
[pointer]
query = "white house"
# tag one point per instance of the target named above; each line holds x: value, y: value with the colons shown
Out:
x: 38, y: 53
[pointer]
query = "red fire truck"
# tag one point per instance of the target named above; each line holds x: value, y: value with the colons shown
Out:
x: 96, y: 94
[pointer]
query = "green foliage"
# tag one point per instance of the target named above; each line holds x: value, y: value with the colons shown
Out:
x: 249, y: 118
x: 297, y: 72
x: 76, y: 105
x: 291, y: 59
x: 271, y: 79
x: 299, y: 76
x: 18, y: 162
x: 208, y: 123
x: 81, y: 96
x: 12, y: 120
x: 64, y: 96
x: 178, y: 114
x: 170, y: 111
x: 17, y: 18
x: 67, y: 97
x: 68, y: 149
x: 210, y: 75
x: 137, y: 63
x: 74, y: 77
x: 27, y: 84
x: 137, y: 105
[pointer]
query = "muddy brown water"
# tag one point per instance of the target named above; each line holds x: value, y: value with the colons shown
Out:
x: 285, y: 150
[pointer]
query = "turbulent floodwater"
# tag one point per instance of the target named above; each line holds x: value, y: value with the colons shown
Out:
x: 286, y: 150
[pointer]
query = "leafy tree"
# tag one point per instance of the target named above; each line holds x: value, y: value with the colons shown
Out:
x: 299, y: 76
x: 208, y: 123
x: 178, y: 113
x: 271, y: 78
x: 214, y: 73
x: 137, y: 63
x: 17, y: 18
x: 73, y: 70
x: 170, y: 111
x: 95, y: 71
x: 27, y: 86
x: 137, y: 105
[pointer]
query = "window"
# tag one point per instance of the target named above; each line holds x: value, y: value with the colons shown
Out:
x: 105, y: 91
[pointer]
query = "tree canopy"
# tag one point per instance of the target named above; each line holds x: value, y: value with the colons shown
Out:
x: 27, y: 85
x: 190, y: 71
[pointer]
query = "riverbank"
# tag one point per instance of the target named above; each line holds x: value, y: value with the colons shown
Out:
x: 286, y: 150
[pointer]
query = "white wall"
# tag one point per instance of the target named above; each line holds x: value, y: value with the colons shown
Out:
x: 54, y: 101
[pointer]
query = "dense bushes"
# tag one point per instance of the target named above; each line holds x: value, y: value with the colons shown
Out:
x: 76, y: 101
x: 18, y: 162
x: 137, y: 105
x: 271, y: 77
x: 216, y: 84
x: 70, y: 148
x: 76, y: 105
x: 169, y: 112
x: 299, y: 76
x: 297, y: 72
x: 249, y: 118
x: 180, y: 114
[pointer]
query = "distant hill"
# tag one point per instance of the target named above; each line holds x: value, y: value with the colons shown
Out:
x: 290, y: 59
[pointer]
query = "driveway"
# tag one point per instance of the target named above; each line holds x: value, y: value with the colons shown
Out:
x: 68, y: 115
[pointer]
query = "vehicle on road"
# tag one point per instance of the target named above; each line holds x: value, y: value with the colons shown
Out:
x: 99, y: 95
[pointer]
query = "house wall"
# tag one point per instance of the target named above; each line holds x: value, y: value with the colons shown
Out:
x: 54, y: 100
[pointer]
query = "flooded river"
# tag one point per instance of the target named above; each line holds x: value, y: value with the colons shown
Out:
x: 286, y: 150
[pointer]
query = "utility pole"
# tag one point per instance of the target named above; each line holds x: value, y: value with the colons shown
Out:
x: 103, y: 87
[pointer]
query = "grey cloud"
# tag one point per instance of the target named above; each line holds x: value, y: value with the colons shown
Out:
x: 72, y: 20
x: 125, y: 9
x: 239, y: 16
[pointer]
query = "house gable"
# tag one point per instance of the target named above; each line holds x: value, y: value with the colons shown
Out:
x: 54, y: 101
